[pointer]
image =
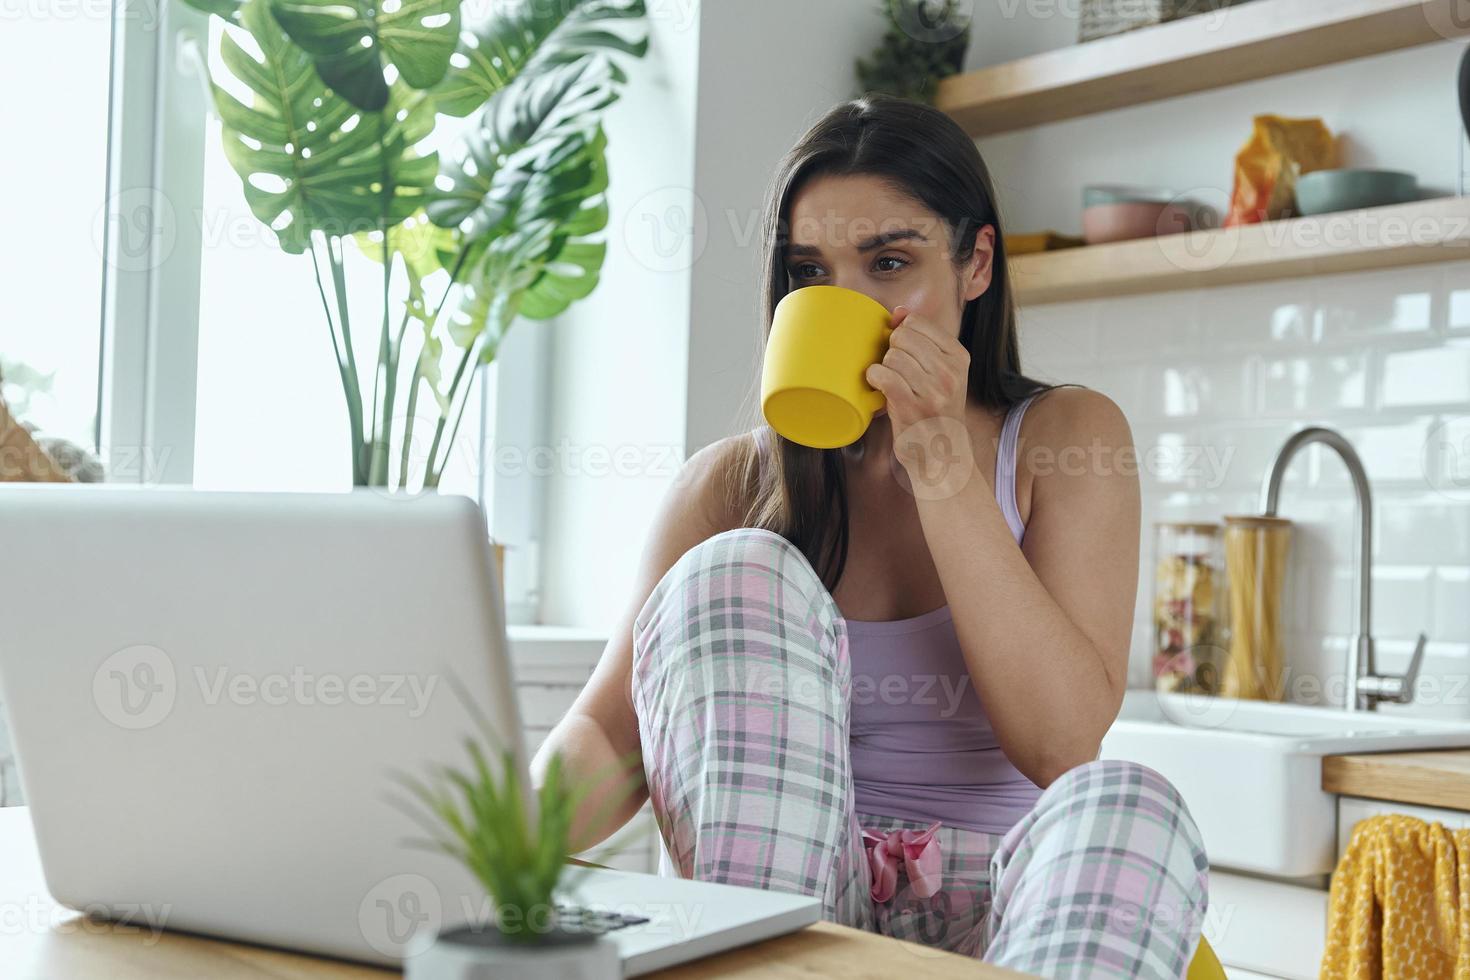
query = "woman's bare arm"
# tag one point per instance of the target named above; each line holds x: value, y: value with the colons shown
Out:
x: 1045, y: 628
x: 601, y: 728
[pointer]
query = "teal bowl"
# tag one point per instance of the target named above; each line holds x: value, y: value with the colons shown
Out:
x: 1095, y: 194
x: 1322, y: 191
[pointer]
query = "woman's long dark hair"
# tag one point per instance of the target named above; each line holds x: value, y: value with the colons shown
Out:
x: 799, y: 492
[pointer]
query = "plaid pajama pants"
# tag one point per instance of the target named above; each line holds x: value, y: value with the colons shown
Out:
x: 741, y: 684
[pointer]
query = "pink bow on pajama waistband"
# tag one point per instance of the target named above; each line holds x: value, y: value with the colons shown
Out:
x: 919, y: 850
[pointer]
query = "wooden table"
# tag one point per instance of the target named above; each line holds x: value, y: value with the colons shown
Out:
x: 40, y: 940
x: 1434, y: 777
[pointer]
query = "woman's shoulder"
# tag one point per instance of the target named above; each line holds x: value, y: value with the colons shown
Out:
x: 1073, y: 415
x: 1072, y: 432
x: 720, y: 479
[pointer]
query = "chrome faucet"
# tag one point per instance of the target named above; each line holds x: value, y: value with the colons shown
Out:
x: 1366, y: 688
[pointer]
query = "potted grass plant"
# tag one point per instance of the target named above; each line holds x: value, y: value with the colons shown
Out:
x: 516, y: 842
x: 328, y: 112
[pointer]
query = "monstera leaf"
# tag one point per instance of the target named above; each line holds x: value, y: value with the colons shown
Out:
x: 542, y: 261
x: 535, y: 35
x: 527, y: 131
x: 353, y: 41
x: 492, y: 292
x: 309, y: 160
x: 572, y: 264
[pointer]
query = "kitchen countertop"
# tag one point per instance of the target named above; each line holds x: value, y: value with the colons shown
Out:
x: 1438, y: 777
x: 40, y: 939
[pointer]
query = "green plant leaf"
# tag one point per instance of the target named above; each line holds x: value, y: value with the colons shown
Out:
x: 528, y: 129
x: 534, y: 36
x: 543, y: 262
x: 495, y: 288
x: 419, y: 241
x: 570, y: 270
x: 431, y: 371
x: 309, y: 160
x: 353, y: 41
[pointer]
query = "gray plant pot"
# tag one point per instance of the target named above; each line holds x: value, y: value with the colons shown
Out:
x: 471, y: 953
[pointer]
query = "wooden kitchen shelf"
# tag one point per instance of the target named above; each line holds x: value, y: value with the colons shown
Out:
x: 1435, y: 230
x: 1439, y: 777
x: 1258, y: 39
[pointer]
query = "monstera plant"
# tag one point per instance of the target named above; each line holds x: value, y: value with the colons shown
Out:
x: 325, y: 117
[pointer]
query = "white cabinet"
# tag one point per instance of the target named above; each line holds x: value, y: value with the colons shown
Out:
x: 1351, y: 809
x: 1263, y: 927
x: 551, y: 666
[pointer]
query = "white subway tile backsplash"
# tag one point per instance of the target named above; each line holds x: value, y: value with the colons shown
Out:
x: 1389, y: 450
x: 1122, y: 383
x: 1188, y: 505
x: 1451, y: 605
x: 1221, y: 388
x: 1355, y: 306
x: 1213, y: 382
x: 1255, y: 317
x: 1446, y: 457
x: 1428, y: 530
x: 1313, y: 385
x: 1238, y: 454
x: 1057, y: 334
x: 1152, y: 324
x: 1402, y: 600
x: 1437, y: 375
x: 1328, y: 592
x: 1443, y: 688
x: 1456, y: 285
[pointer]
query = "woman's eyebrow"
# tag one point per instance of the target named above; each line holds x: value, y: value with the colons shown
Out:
x: 877, y: 241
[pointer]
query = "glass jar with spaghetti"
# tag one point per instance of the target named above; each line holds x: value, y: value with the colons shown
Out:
x: 1256, y: 552
x: 1188, y: 608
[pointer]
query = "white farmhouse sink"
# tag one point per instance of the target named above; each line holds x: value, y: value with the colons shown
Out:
x: 1251, y: 772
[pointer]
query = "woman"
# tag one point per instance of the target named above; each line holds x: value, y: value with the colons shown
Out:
x: 880, y: 674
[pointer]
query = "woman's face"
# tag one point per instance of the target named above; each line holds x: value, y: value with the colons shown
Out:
x: 858, y: 232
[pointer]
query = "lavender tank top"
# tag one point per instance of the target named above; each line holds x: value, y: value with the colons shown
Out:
x: 921, y: 745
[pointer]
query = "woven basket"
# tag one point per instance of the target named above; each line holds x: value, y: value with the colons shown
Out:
x: 1100, y: 18
x: 21, y: 459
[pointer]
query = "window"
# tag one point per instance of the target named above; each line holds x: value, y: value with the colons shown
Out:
x: 270, y: 413
x: 150, y: 316
x: 51, y: 331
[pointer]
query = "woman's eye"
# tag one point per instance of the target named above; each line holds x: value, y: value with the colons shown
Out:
x: 800, y: 271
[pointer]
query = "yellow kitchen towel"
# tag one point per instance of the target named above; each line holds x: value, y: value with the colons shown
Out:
x: 1399, y: 906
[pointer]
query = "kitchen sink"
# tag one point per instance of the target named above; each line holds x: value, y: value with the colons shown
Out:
x: 1251, y: 771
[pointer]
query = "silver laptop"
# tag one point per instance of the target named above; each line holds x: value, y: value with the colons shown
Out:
x: 210, y: 695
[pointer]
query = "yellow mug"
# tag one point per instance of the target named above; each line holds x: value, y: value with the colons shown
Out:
x: 822, y: 340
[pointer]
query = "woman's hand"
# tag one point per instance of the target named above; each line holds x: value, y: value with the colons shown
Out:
x: 925, y: 378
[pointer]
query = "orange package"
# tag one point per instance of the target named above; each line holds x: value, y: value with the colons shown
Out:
x: 1266, y: 168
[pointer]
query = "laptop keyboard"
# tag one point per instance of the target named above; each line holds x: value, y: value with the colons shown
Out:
x: 577, y: 918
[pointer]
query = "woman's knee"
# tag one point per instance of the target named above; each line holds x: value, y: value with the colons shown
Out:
x: 1131, y: 790
x: 738, y: 571
x: 746, y: 589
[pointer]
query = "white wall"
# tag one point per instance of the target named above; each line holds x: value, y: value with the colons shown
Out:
x: 660, y: 359
x: 616, y: 425
x: 1384, y: 356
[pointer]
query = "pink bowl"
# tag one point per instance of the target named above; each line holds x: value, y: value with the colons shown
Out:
x: 1132, y: 219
